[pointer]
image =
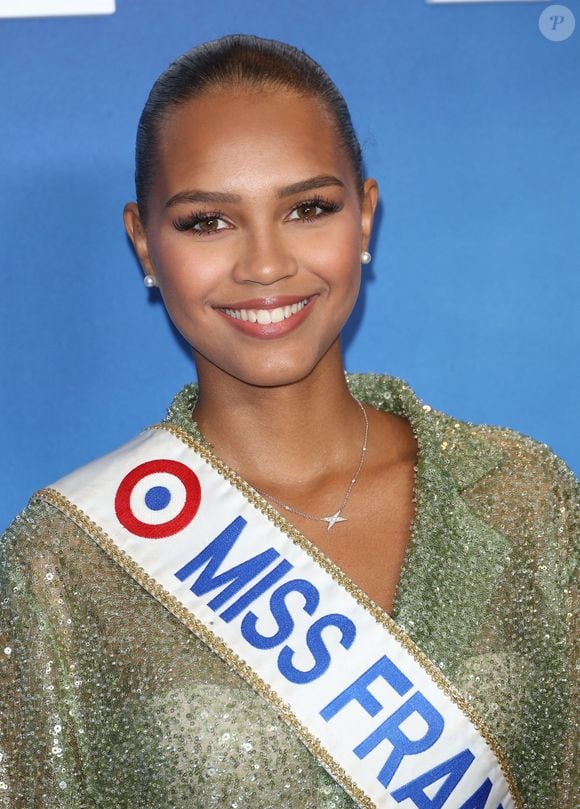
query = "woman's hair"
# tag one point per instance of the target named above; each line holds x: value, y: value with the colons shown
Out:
x: 229, y: 62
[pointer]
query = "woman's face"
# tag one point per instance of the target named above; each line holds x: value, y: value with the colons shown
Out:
x: 254, y: 232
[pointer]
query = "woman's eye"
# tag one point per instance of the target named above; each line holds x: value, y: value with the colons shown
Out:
x: 203, y: 225
x: 207, y: 225
x: 306, y: 211
x: 309, y: 210
x: 313, y: 209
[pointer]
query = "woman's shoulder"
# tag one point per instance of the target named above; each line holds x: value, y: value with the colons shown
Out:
x: 499, y: 468
x: 525, y: 451
x: 526, y: 474
x: 40, y: 536
x: 523, y: 459
x: 528, y: 492
x: 450, y: 434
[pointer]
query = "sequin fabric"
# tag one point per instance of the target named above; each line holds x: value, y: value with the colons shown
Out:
x: 107, y: 700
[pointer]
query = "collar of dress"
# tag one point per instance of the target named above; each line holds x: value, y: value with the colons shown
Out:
x: 448, y: 446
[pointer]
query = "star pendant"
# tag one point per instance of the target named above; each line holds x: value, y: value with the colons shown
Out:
x: 333, y: 519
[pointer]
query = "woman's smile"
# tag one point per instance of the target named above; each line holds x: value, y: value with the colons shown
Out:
x: 270, y: 317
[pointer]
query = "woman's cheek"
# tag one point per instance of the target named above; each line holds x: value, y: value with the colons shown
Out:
x: 341, y: 270
x: 179, y: 267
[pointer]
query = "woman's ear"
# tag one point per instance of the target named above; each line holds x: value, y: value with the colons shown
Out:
x: 368, y: 206
x: 136, y: 232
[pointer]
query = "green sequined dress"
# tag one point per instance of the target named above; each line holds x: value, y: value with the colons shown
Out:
x: 107, y: 700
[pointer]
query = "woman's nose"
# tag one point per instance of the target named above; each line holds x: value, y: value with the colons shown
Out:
x: 264, y: 259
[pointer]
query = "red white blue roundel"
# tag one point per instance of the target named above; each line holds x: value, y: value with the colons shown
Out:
x: 158, y: 498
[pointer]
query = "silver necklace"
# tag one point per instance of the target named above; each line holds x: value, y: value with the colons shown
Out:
x: 331, y: 519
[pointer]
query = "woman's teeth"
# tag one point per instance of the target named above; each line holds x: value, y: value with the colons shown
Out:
x: 265, y: 316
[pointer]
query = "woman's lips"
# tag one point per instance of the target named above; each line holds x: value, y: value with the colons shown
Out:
x: 268, y: 318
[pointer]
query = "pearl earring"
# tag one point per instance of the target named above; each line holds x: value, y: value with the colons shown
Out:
x: 365, y: 257
x: 149, y: 281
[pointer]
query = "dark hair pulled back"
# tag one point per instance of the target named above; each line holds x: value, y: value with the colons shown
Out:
x: 231, y: 61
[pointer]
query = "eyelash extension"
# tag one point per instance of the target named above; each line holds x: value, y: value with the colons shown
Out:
x: 327, y: 205
x: 197, y: 217
x: 194, y: 218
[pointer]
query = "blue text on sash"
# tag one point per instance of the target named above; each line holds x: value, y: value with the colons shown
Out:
x: 211, y: 558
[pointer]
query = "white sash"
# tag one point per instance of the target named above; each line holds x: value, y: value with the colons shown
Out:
x: 378, y: 715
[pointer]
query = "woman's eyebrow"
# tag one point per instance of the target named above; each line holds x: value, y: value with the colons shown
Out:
x: 197, y: 195
x: 306, y: 185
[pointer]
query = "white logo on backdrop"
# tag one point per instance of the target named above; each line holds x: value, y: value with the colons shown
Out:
x: 55, y: 8
x: 557, y: 23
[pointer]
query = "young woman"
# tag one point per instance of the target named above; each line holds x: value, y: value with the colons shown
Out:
x: 304, y: 588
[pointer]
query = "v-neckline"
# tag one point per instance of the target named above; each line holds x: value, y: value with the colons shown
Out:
x: 400, y: 399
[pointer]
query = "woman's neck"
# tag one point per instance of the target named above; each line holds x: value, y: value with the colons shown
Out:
x: 290, y: 434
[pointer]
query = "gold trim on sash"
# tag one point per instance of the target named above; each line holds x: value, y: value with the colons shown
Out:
x: 232, y: 659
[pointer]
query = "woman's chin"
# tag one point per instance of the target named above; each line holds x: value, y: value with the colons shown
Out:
x: 275, y: 377
x: 265, y: 373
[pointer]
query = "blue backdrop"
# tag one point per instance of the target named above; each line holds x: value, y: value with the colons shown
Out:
x: 470, y: 121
